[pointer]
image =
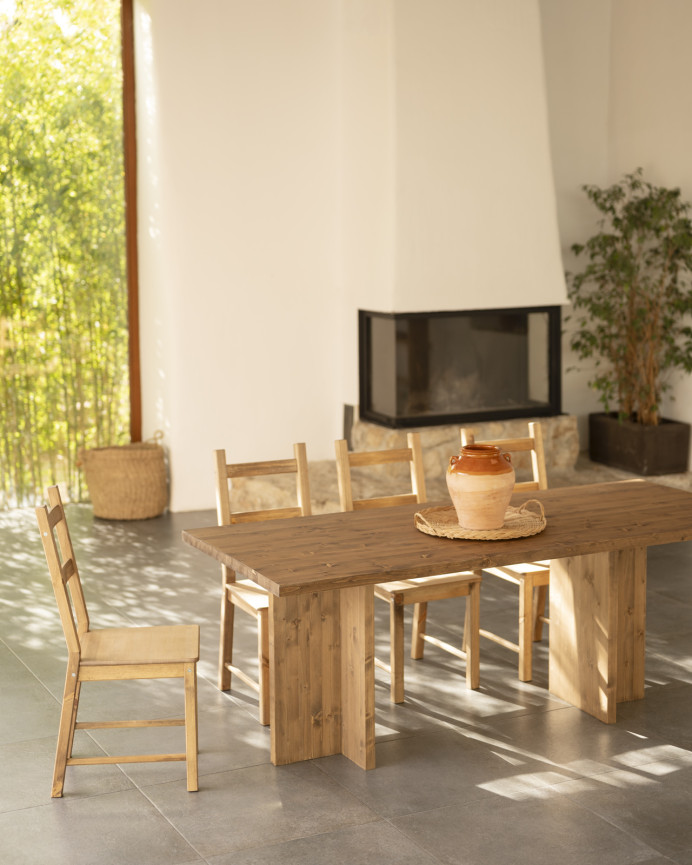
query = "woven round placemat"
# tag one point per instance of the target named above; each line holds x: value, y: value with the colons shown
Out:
x: 519, y: 523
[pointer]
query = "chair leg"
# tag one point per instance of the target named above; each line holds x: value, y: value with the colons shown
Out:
x: 191, y: 737
x: 68, y: 717
x: 263, y: 657
x: 75, y: 707
x: 396, y: 652
x: 539, y: 611
x: 464, y: 639
x: 420, y: 615
x: 525, y: 628
x: 226, y: 637
x: 472, y: 621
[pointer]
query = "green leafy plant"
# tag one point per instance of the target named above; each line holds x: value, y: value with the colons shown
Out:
x: 633, y: 298
x: 63, y: 292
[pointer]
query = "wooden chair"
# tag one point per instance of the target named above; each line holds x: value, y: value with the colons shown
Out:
x: 244, y: 594
x: 112, y: 654
x: 532, y: 578
x: 419, y: 590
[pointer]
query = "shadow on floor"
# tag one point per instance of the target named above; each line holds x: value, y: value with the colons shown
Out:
x: 504, y: 774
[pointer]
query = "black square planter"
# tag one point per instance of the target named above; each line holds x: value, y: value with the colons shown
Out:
x: 643, y: 450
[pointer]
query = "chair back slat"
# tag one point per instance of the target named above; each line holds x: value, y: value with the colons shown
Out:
x: 270, y: 467
x: 411, y: 455
x: 62, y: 566
x: 68, y: 570
x: 533, y: 444
x: 385, y: 501
x: 266, y: 514
x: 358, y: 459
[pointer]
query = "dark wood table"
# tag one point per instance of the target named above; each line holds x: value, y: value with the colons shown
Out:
x: 320, y: 571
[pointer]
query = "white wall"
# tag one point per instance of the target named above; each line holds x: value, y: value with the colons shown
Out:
x: 618, y: 83
x: 475, y: 205
x: 238, y: 242
x: 448, y: 197
x: 651, y: 116
x: 367, y: 158
x: 299, y: 160
x: 577, y: 57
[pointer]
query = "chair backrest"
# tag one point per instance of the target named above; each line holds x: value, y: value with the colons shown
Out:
x: 533, y: 444
x: 345, y: 461
x: 227, y: 472
x: 62, y: 565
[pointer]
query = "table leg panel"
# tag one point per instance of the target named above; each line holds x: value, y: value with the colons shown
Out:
x: 583, y: 633
x: 630, y: 566
x: 358, y: 675
x: 325, y: 661
x: 305, y: 656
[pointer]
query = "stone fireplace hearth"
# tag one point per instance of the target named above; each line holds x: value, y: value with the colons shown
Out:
x: 560, y: 439
x: 439, y: 443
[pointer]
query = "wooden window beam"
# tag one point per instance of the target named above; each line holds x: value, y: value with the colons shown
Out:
x: 130, y: 167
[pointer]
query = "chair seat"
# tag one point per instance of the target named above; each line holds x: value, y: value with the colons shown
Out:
x: 163, y: 644
x: 421, y: 589
x: 540, y: 572
x: 250, y: 594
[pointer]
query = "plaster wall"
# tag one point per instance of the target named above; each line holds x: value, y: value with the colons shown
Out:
x: 618, y: 97
x: 301, y: 160
x: 651, y: 117
x: 366, y: 178
x: 475, y: 214
x: 576, y: 41
x: 238, y: 232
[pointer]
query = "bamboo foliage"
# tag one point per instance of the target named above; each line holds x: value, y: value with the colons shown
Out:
x: 63, y: 294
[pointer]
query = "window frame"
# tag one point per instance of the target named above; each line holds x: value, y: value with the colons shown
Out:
x: 130, y: 181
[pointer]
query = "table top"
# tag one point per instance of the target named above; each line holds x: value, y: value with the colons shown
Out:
x: 340, y: 550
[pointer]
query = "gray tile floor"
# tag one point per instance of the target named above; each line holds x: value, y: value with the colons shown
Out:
x: 507, y: 774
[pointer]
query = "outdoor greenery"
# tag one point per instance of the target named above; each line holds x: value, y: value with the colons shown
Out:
x: 63, y: 294
x: 634, y: 295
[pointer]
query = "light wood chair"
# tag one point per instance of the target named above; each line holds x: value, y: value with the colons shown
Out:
x: 532, y: 578
x: 419, y: 590
x: 112, y: 654
x: 244, y: 594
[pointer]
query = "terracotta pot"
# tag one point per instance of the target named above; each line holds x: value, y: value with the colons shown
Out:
x: 480, y: 481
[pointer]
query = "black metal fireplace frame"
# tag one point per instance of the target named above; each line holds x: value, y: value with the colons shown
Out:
x: 550, y: 409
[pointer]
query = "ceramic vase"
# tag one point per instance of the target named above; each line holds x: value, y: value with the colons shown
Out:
x: 480, y: 481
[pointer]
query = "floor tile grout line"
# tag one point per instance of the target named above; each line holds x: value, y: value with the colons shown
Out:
x: 34, y: 675
x: 627, y: 832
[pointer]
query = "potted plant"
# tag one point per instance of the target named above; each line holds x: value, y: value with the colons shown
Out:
x: 632, y: 305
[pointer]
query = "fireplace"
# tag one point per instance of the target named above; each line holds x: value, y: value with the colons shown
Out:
x: 432, y: 368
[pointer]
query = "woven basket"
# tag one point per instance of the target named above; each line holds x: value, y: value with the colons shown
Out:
x: 520, y: 522
x: 126, y: 482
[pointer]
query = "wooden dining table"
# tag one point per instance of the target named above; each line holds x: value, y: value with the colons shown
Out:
x: 320, y: 572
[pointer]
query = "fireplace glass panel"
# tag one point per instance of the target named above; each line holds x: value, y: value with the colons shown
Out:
x: 425, y: 368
